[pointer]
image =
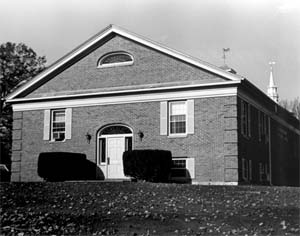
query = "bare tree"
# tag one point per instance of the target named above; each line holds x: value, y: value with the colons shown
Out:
x: 292, y: 106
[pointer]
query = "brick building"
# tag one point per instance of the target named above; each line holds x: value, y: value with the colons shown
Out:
x: 119, y: 91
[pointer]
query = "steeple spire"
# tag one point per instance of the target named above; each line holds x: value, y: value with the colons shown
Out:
x: 272, y: 89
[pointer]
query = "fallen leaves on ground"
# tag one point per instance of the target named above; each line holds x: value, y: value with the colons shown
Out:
x: 103, y: 208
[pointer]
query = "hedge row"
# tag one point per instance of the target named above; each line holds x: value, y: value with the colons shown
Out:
x: 148, y: 165
x: 61, y: 166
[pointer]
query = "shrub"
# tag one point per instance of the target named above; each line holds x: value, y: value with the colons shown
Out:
x: 60, y: 166
x: 148, y: 165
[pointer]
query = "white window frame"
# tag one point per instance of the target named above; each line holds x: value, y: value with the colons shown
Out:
x: 179, y: 168
x: 51, y: 125
x: 169, y: 118
x: 188, y: 167
x: 246, y: 119
x: 115, y: 64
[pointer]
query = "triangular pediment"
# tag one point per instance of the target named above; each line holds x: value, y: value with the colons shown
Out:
x: 153, y: 64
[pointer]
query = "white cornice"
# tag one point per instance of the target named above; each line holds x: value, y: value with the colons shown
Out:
x: 123, y: 99
x: 117, y: 30
x: 123, y: 92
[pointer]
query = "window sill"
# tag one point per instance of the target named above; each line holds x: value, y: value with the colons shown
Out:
x: 246, y: 136
x: 177, y: 136
x: 53, y: 141
x: 115, y: 65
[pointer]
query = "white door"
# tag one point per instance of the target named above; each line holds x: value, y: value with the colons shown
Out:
x: 115, y: 149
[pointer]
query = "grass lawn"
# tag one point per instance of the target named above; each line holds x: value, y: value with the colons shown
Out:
x: 104, y: 208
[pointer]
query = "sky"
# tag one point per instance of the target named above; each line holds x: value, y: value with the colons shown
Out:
x: 256, y: 31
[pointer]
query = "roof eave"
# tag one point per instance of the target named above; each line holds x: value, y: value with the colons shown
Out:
x: 129, y: 91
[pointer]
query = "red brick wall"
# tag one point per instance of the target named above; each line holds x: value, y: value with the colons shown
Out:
x: 282, y: 148
x: 213, y: 145
x: 285, y: 155
x: 149, y: 67
x: 250, y: 148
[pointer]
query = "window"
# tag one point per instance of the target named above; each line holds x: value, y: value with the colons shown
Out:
x: 102, y: 156
x: 178, y: 168
x: 115, y: 59
x: 245, y: 169
x: 263, y: 127
x: 177, y: 117
x: 263, y: 172
x: 128, y: 143
x: 245, y: 119
x: 58, y: 125
x: 183, y: 168
x: 250, y: 170
x: 115, y: 129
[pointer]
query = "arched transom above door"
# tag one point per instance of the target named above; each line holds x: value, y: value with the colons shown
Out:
x: 115, y: 129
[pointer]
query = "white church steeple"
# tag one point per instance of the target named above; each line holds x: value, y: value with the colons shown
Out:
x: 272, y: 89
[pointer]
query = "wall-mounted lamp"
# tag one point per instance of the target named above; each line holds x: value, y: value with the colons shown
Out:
x: 88, y: 137
x: 141, y: 135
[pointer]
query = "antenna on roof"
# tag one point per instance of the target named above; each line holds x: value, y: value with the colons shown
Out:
x: 224, y: 54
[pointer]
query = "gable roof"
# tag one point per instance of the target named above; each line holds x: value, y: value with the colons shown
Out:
x: 112, y: 29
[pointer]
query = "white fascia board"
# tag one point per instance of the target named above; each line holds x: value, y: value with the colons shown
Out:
x: 57, y: 65
x: 177, y: 54
x: 123, y: 99
x: 134, y: 37
x: 118, y: 92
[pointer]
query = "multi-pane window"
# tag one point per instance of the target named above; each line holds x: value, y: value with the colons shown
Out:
x: 58, y: 125
x: 115, y: 59
x: 245, y: 119
x: 177, y: 117
x: 263, y: 127
x: 179, y: 168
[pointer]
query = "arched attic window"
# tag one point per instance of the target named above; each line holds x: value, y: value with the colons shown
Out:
x: 113, y: 59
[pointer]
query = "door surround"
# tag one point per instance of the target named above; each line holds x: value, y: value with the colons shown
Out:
x: 113, y: 168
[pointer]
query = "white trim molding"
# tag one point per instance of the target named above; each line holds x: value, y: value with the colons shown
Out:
x: 110, y: 30
x: 214, y: 183
x: 127, y: 91
x: 123, y: 99
x: 115, y: 64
